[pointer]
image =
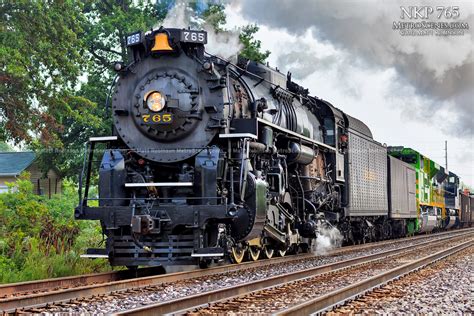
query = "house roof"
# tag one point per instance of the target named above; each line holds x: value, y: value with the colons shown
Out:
x: 13, y: 163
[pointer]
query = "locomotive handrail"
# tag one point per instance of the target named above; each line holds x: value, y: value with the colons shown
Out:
x: 238, y: 135
x: 158, y: 198
x: 103, y: 139
x: 107, y: 101
x: 89, y: 150
x: 88, y: 155
x: 295, y: 134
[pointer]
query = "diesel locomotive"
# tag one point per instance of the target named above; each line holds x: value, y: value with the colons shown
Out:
x: 212, y: 160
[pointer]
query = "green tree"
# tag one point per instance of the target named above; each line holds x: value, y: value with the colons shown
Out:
x: 5, y: 147
x: 109, y: 21
x: 41, y: 57
x: 252, y: 47
x: 214, y: 15
x: 105, y: 25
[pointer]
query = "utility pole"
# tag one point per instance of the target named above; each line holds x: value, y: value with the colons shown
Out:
x: 446, y: 153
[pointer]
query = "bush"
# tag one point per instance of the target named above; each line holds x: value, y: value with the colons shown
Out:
x: 39, y: 237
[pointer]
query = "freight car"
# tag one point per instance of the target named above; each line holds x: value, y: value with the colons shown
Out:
x: 402, y: 196
x: 466, y: 205
x: 213, y: 160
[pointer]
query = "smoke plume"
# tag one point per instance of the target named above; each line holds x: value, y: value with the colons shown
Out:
x: 439, y: 68
x: 225, y: 44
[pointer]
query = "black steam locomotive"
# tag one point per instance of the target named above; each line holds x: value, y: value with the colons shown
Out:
x: 211, y: 160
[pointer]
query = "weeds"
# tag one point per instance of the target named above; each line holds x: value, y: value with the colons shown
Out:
x: 39, y: 237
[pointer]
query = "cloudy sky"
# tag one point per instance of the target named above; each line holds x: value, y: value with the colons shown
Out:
x: 415, y: 91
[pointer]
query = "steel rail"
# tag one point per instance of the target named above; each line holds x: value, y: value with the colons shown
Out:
x: 20, y: 288
x: 12, y: 303
x: 181, y: 305
x: 89, y: 285
x: 338, y: 297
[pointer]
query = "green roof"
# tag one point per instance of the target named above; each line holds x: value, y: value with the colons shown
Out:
x: 13, y: 163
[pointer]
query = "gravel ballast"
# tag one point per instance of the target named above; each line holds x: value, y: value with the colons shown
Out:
x: 445, y: 287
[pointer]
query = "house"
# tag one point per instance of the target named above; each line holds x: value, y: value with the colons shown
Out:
x: 12, y: 164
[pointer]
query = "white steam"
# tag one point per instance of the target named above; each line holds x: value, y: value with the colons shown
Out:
x: 225, y: 44
x: 180, y: 16
x: 327, y: 238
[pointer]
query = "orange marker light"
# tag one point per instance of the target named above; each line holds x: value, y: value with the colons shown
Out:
x: 161, y: 43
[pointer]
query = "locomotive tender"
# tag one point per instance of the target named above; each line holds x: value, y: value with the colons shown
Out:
x: 210, y: 159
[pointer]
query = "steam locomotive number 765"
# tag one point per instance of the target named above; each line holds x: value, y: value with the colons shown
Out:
x: 157, y: 118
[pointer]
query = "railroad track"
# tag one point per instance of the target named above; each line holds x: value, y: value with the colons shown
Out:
x: 35, y: 294
x: 319, y: 291
x: 58, y: 284
x: 119, y: 294
x: 446, y: 280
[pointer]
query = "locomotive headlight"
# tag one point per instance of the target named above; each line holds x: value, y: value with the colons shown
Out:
x: 155, y: 101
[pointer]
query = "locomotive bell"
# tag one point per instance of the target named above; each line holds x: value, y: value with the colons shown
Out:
x: 161, y: 43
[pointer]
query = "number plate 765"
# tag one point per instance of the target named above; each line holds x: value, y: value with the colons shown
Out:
x: 157, y: 118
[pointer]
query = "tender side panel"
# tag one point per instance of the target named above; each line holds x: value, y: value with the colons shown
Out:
x: 402, y: 189
x: 367, y: 175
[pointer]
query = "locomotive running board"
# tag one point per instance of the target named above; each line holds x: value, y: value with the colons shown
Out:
x: 103, y: 139
x: 238, y: 135
x: 94, y: 253
x: 93, y: 256
x: 158, y: 184
x: 208, y: 252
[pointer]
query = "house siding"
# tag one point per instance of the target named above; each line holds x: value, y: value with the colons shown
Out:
x: 44, y: 186
x: 3, y: 183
